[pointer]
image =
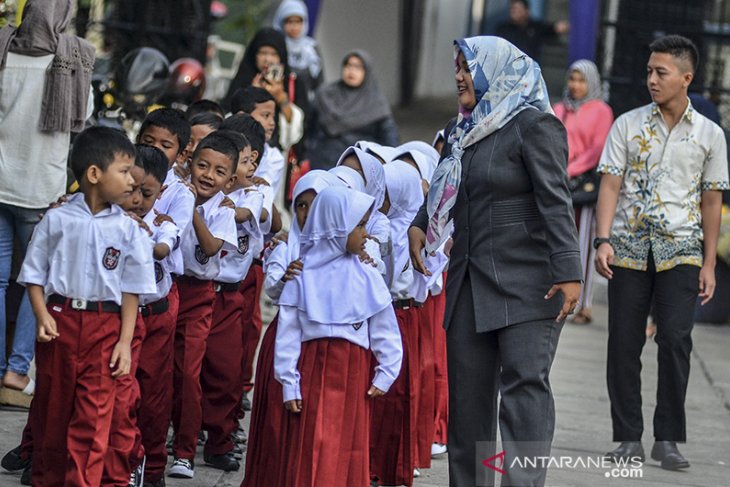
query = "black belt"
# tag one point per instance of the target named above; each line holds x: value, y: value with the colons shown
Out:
x: 258, y: 262
x: 226, y: 287
x: 84, y: 305
x: 156, y: 308
x: 406, y: 304
x: 194, y: 281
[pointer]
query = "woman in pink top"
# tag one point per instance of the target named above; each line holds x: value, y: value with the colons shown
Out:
x: 587, y: 119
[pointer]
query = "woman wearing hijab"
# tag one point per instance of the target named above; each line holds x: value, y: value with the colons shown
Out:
x: 45, y: 78
x: 587, y: 119
x: 265, y: 64
x: 515, y: 267
x: 349, y: 110
x: 292, y: 18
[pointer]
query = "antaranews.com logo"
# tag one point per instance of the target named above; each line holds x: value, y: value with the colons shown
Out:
x: 519, y: 459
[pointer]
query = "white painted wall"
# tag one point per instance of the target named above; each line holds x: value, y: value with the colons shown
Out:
x: 444, y: 21
x: 372, y: 25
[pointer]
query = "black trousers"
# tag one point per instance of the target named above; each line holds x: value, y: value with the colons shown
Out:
x: 630, y: 294
x: 515, y: 362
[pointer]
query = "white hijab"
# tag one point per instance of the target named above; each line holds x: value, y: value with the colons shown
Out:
x: 426, y: 157
x: 406, y: 197
x: 352, y: 291
x: 315, y: 180
x: 349, y: 177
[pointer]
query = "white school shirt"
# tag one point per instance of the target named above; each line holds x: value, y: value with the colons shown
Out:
x: 257, y: 244
x: 177, y: 202
x: 221, y: 223
x: 271, y: 167
x: 275, y: 266
x: 80, y: 255
x: 379, y: 333
x: 235, y: 263
x: 163, y: 234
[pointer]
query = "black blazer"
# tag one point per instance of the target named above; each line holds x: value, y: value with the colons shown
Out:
x: 514, y: 227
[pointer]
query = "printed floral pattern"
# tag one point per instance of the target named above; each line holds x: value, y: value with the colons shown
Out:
x: 664, y: 174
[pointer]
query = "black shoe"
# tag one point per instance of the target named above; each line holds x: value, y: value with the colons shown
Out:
x: 25, y: 478
x: 626, y: 451
x: 240, y: 435
x: 156, y: 483
x: 667, y: 453
x: 246, y: 402
x: 12, y: 462
x: 224, y: 462
x: 237, y: 451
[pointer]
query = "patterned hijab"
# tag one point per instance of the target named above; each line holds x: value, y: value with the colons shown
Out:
x: 506, y: 81
x: 593, y: 79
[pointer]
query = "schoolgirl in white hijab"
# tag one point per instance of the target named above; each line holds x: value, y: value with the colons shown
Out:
x: 264, y: 453
x: 329, y: 316
x: 384, y: 153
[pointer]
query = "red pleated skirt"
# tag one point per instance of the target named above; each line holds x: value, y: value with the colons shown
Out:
x: 393, y: 425
x: 441, y: 412
x: 427, y: 378
x: 264, y: 465
x: 327, y: 444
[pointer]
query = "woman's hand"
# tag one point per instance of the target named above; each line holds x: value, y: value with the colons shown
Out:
x: 294, y: 406
x: 604, y: 259
x: 571, y: 293
x: 416, y: 243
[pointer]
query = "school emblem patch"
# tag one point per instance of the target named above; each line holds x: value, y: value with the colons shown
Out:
x: 111, y: 258
x: 158, y: 272
x: 242, y: 244
x: 200, y: 255
x: 357, y: 326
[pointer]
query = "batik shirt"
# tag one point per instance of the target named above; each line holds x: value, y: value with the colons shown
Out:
x: 664, y: 174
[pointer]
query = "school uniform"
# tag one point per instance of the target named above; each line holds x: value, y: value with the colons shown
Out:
x: 437, y: 307
x: 154, y: 372
x: 264, y: 465
x: 272, y: 167
x: 220, y: 374
x: 177, y: 202
x: 84, y: 262
x: 251, y: 287
x: 321, y: 354
x: 393, y: 452
x: 427, y: 399
x: 194, y: 320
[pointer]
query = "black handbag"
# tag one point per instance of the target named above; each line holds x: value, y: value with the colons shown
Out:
x: 584, y: 188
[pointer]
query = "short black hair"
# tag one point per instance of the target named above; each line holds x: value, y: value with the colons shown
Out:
x: 679, y: 47
x: 245, y: 99
x: 206, y: 118
x: 245, y: 124
x: 525, y: 3
x: 98, y: 146
x: 169, y: 119
x: 153, y: 161
x: 204, y: 106
x: 219, y: 143
x: 237, y: 138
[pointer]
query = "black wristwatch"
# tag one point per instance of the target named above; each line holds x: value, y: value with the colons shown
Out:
x: 598, y: 241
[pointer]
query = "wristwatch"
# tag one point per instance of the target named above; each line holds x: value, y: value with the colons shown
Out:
x: 598, y: 241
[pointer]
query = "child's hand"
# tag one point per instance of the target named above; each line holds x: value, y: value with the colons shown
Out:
x: 259, y: 181
x: 46, y: 328
x: 160, y: 218
x: 60, y: 201
x: 182, y: 171
x: 141, y: 223
x: 374, y: 392
x: 366, y: 259
x: 294, y: 406
x: 281, y: 237
x: 227, y: 203
x: 294, y: 269
x: 121, y: 359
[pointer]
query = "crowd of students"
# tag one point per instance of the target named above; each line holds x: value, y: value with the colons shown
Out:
x: 146, y: 289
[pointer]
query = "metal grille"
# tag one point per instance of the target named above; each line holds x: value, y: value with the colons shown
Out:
x: 629, y: 26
